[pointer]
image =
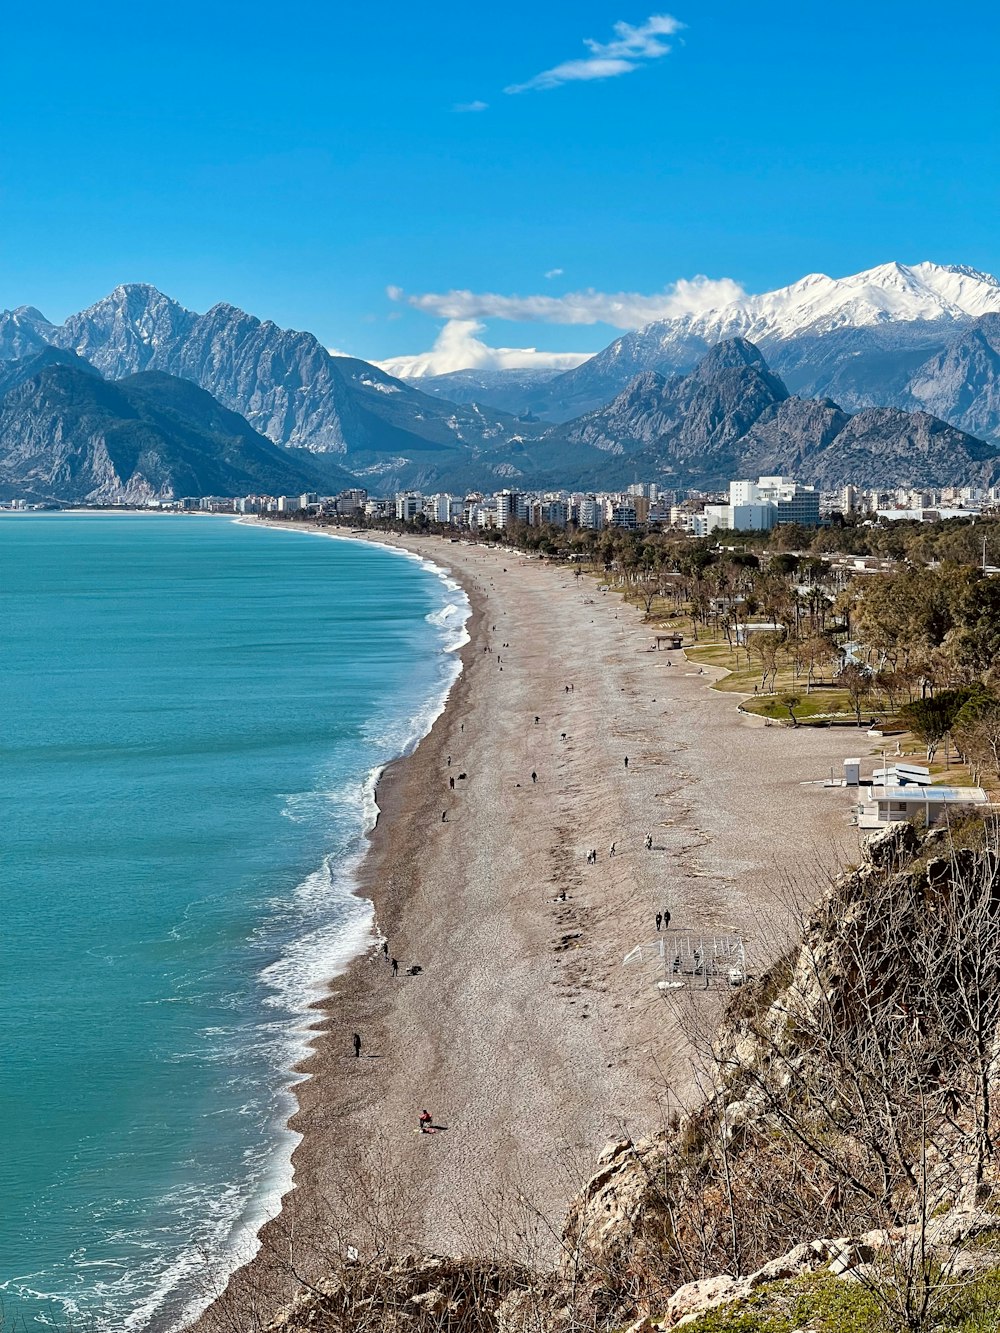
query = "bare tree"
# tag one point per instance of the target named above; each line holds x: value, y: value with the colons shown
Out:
x: 857, y: 682
x: 767, y: 646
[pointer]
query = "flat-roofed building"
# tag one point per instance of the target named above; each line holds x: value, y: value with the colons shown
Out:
x: 893, y: 805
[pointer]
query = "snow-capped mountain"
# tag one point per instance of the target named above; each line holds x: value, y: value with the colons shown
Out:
x: 894, y: 307
x: 816, y: 304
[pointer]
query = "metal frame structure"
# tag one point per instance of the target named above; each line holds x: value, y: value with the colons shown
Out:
x: 699, y: 961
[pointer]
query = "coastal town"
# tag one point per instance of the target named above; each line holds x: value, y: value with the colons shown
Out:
x: 748, y: 506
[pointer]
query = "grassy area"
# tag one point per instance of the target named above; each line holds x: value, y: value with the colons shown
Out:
x: 820, y: 1304
x: 823, y: 703
x: 824, y: 1304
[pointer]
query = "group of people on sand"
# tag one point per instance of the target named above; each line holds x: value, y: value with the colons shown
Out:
x: 613, y: 849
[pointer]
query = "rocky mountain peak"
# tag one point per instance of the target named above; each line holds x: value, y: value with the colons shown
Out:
x: 731, y: 354
x: 30, y: 315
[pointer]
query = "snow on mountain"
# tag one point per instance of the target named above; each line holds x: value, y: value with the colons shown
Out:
x: 817, y: 304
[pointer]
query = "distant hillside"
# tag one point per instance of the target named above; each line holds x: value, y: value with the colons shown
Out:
x: 70, y: 436
x: 507, y: 390
x: 733, y: 417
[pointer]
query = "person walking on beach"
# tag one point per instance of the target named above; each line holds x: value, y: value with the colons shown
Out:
x: 385, y: 948
x: 649, y: 842
x: 534, y: 777
x: 612, y: 851
x: 666, y: 919
x: 626, y: 761
x: 357, y: 1045
x: 426, y: 1120
x: 451, y: 783
x: 444, y: 816
x: 659, y: 920
x: 395, y: 968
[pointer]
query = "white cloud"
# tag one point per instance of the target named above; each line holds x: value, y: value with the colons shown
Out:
x: 622, y: 310
x: 630, y: 46
x: 335, y: 351
x: 470, y: 106
x: 457, y: 348
x: 555, y: 273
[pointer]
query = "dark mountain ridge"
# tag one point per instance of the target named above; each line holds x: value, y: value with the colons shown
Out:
x: 732, y: 417
x: 67, y: 435
x: 727, y: 413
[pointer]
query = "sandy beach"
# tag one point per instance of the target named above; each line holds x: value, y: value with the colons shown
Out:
x: 522, y: 1032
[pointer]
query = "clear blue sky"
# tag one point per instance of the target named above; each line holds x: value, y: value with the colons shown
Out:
x: 297, y: 160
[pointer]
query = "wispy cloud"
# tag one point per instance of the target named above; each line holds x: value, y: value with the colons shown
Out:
x: 457, y: 348
x: 631, y: 46
x: 554, y: 272
x: 622, y: 310
x: 470, y: 106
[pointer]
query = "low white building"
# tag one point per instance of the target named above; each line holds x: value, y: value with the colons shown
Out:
x: 745, y: 632
x: 892, y: 805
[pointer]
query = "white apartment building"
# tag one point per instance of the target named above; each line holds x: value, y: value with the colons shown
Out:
x: 408, y: 505
x: 591, y: 513
x: 511, y: 506
x: 444, y: 509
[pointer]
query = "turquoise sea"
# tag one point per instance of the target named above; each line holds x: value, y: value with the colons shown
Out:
x: 192, y: 714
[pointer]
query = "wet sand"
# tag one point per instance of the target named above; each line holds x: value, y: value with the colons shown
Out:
x: 524, y: 1033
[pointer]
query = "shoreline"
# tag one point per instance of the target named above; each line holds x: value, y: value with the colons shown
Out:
x: 589, y: 1015
x: 313, y: 1022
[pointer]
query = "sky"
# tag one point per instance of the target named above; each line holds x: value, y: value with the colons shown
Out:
x: 542, y: 176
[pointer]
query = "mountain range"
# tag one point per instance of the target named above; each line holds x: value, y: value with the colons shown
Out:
x: 890, y: 376
x: 919, y: 337
x: 284, y: 382
x: 733, y: 417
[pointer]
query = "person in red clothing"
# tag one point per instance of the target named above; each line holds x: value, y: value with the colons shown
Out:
x: 425, y: 1121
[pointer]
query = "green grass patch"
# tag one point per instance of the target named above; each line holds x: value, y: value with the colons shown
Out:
x: 820, y: 1303
x: 821, y: 705
x: 823, y: 1304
